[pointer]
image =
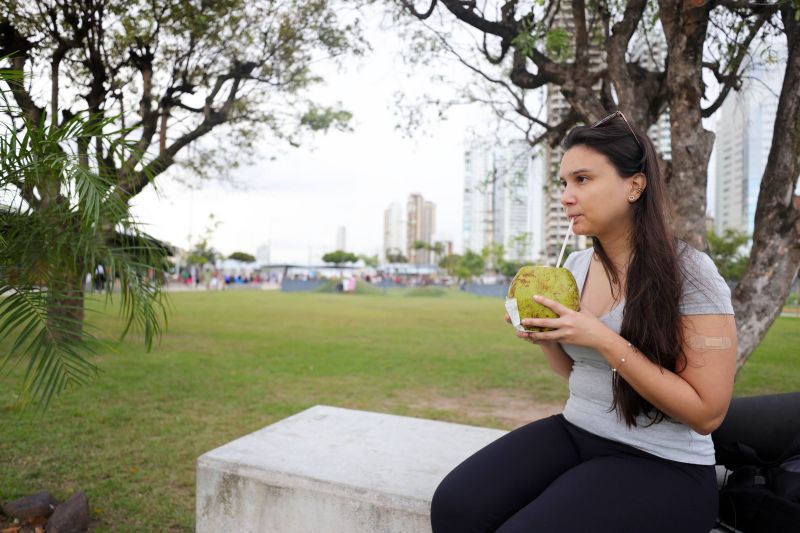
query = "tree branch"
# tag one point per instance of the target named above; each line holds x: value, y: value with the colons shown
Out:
x: 732, y: 80
x: 422, y: 16
x: 581, y: 35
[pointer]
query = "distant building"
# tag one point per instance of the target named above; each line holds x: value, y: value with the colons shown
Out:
x: 394, y: 230
x: 341, y: 238
x: 743, y: 141
x: 503, y: 199
x: 420, y: 226
x: 263, y: 254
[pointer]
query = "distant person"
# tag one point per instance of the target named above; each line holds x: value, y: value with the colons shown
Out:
x: 99, y: 278
x: 650, y: 359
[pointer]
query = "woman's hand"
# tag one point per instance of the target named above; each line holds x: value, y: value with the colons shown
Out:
x: 526, y: 335
x: 580, y: 328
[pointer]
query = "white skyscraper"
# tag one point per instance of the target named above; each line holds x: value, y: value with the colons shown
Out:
x: 394, y: 230
x: 420, y: 227
x: 519, y: 201
x: 744, y: 138
x: 263, y: 254
x: 503, y: 199
x: 477, y: 200
x: 341, y: 238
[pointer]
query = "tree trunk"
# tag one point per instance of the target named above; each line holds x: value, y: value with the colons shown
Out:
x: 775, y: 257
x: 685, y: 28
x: 65, y: 310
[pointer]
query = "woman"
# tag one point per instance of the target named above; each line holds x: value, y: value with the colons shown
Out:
x: 650, y: 360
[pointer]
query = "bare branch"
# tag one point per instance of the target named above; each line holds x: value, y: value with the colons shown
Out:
x: 422, y: 16
x: 732, y: 79
x: 581, y: 35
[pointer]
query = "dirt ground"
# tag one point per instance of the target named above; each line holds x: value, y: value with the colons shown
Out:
x: 493, y: 407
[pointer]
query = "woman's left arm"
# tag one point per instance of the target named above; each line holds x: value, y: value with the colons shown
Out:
x: 698, y: 395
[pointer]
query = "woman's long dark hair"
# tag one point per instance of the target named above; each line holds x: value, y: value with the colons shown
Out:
x: 651, y: 319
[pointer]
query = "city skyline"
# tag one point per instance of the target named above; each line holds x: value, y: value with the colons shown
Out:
x: 293, y: 204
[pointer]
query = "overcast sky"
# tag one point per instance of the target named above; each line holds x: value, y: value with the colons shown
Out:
x: 297, y: 202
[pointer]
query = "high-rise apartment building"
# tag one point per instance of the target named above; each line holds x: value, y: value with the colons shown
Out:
x: 503, y: 199
x: 420, y: 227
x: 477, y: 202
x: 744, y: 138
x: 394, y: 231
x: 341, y: 238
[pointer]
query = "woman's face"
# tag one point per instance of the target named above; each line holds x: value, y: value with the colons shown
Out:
x: 594, y: 195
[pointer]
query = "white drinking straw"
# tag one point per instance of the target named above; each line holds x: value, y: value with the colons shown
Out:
x: 566, y: 238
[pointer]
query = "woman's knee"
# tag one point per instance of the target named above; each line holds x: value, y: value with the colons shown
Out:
x: 452, y: 509
x: 445, y: 507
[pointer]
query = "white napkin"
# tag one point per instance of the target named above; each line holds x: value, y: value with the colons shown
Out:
x: 513, y: 313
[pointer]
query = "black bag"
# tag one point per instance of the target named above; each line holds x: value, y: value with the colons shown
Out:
x: 759, y: 441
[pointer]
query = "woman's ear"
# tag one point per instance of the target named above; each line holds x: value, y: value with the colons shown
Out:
x: 638, y: 183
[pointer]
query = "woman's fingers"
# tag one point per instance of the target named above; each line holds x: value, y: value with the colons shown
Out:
x: 526, y: 336
x: 508, y: 318
x: 557, y: 307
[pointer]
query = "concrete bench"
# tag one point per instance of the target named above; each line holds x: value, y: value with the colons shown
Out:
x: 333, y: 470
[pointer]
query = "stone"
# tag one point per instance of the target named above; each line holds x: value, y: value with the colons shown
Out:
x: 72, y: 516
x: 332, y: 469
x: 36, y: 505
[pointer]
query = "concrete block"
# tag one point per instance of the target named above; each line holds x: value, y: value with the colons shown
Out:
x: 334, y: 470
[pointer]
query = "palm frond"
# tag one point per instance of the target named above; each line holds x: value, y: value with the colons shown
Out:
x: 47, y: 248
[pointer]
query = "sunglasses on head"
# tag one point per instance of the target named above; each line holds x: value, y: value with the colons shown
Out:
x: 614, y: 115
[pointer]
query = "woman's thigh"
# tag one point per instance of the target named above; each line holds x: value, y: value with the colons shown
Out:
x: 623, y: 494
x: 498, y: 480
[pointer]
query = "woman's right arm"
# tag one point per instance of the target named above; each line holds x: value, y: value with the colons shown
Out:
x: 559, y: 360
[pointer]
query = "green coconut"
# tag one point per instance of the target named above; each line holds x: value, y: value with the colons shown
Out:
x: 555, y: 283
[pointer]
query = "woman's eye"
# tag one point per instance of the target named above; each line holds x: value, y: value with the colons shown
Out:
x: 563, y: 183
x: 582, y: 178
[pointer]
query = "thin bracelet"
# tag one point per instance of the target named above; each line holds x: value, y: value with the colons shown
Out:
x: 621, y: 361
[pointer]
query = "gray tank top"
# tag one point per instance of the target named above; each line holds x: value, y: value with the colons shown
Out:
x: 590, y: 393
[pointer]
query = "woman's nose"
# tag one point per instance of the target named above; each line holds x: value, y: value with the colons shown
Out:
x: 567, y: 198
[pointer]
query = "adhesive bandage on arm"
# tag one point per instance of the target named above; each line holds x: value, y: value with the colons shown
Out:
x: 701, y: 342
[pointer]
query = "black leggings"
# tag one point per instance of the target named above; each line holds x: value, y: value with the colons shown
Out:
x: 552, y: 476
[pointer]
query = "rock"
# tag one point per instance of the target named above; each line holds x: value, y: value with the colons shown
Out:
x: 72, y: 516
x: 39, y: 504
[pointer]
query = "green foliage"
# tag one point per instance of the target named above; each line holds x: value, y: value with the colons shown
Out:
x: 558, y: 43
x: 370, y: 260
x: 202, y: 252
x: 521, y: 244
x: 450, y: 263
x: 470, y: 264
x: 60, y: 220
x: 509, y: 269
x: 243, y: 257
x: 232, y: 65
x: 393, y: 255
x: 323, y: 118
x: 725, y: 250
x: 493, y: 254
x: 339, y: 257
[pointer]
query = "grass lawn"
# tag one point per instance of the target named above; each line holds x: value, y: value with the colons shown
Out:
x: 233, y: 362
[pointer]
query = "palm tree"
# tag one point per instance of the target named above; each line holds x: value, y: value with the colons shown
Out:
x: 60, y: 221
